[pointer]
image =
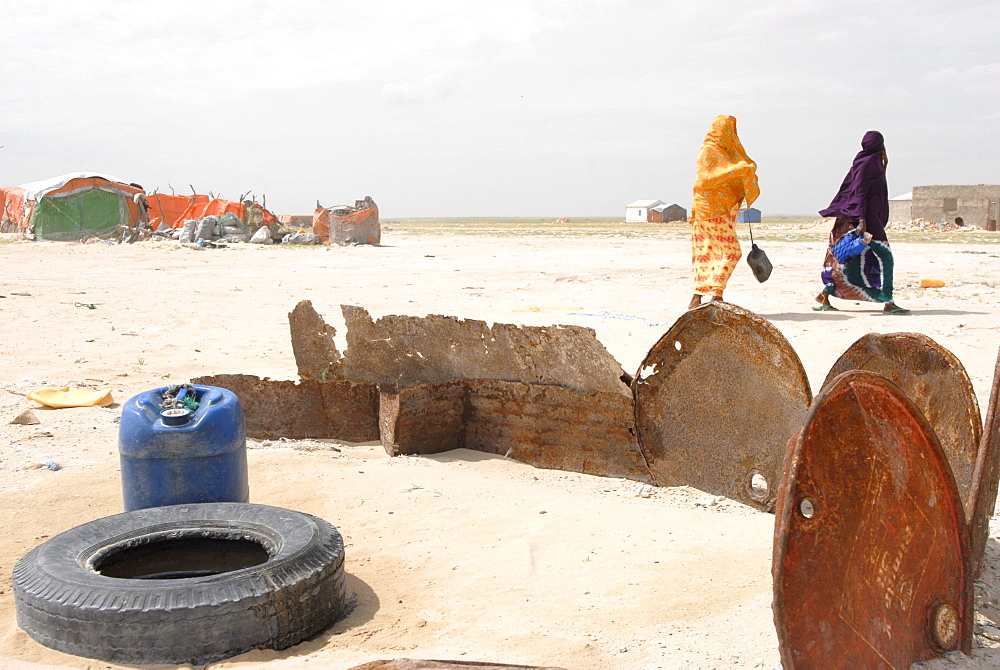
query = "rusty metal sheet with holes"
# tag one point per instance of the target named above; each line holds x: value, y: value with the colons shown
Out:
x: 716, y: 400
x: 937, y: 383
x: 985, y: 479
x: 870, y: 566
x: 340, y: 410
x: 543, y: 425
x: 411, y: 350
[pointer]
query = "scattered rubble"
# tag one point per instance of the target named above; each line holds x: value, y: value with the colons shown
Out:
x: 925, y: 225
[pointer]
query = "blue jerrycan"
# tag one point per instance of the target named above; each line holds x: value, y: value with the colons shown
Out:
x: 183, y: 444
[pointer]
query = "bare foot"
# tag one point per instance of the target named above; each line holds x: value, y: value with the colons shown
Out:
x: 716, y: 298
x: 695, y: 301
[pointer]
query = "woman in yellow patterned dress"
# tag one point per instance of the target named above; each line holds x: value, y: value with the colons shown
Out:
x: 726, y: 178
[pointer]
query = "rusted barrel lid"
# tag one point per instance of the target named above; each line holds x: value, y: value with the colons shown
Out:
x: 870, y: 561
x: 716, y: 400
x: 937, y: 383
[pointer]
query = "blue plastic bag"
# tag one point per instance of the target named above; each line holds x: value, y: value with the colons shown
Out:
x: 849, y: 246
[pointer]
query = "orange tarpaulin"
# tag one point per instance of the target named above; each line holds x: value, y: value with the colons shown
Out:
x: 12, y: 215
x: 321, y: 225
x: 214, y: 207
x: 170, y: 208
x: 176, y: 209
x: 79, y: 183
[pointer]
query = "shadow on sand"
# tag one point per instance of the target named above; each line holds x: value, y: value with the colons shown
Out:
x: 843, y: 314
x: 362, y: 607
x: 807, y: 316
x: 987, y: 604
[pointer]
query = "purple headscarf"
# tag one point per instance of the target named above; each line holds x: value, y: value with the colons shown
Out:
x: 864, y: 193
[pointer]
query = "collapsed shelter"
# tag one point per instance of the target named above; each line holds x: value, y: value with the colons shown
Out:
x: 344, y: 224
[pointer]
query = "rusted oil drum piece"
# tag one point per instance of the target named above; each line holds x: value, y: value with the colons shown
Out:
x: 716, y: 400
x: 937, y: 383
x: 985, y: 479
x: 870, y: 563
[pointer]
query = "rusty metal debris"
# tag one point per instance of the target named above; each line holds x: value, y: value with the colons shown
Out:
x: 716, y: 399
x: 985, y: 479
x: 340, y: 410
x: 411, y: 350
x: 420, y: 664
x: 542, y: 425
x: 312, y: 342
x: 870, y: 565
x: 551, y: 397
x: 937, y: 383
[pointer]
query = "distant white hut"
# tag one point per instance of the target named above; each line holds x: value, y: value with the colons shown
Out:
x: 901, y: 207
x: 638, y: 211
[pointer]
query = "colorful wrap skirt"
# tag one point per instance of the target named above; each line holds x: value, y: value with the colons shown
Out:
x: 715, y: 251
x: 865, y: 277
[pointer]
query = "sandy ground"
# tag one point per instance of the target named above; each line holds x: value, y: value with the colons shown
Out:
x: 462, y: 555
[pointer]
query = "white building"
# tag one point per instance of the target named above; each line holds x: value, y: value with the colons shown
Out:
x: 901, y: 207
x: 638, y: 211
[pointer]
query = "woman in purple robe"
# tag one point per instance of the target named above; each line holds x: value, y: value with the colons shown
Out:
x: 861, y: 205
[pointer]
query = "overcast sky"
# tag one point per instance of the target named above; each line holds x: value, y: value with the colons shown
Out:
x: 523, y: 108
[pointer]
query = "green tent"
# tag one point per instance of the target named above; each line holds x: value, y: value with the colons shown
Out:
x: 82, y: 204
x: 79, y: 214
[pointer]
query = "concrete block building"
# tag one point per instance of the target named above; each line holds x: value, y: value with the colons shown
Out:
x: 970, y: 205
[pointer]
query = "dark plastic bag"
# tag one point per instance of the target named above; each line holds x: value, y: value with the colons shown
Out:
x: 759, y: 263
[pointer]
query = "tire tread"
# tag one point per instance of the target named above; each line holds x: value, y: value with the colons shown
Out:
x: 274, y: 605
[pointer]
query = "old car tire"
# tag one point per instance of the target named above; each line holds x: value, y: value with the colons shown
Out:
x: 183, y: 584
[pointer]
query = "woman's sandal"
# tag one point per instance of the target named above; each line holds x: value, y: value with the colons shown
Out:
x: 825, y: 308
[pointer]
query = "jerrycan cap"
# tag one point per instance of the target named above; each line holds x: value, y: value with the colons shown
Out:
x: 175, y: 416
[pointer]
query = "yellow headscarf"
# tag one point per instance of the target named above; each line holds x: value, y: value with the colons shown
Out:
x: 726, y: 175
